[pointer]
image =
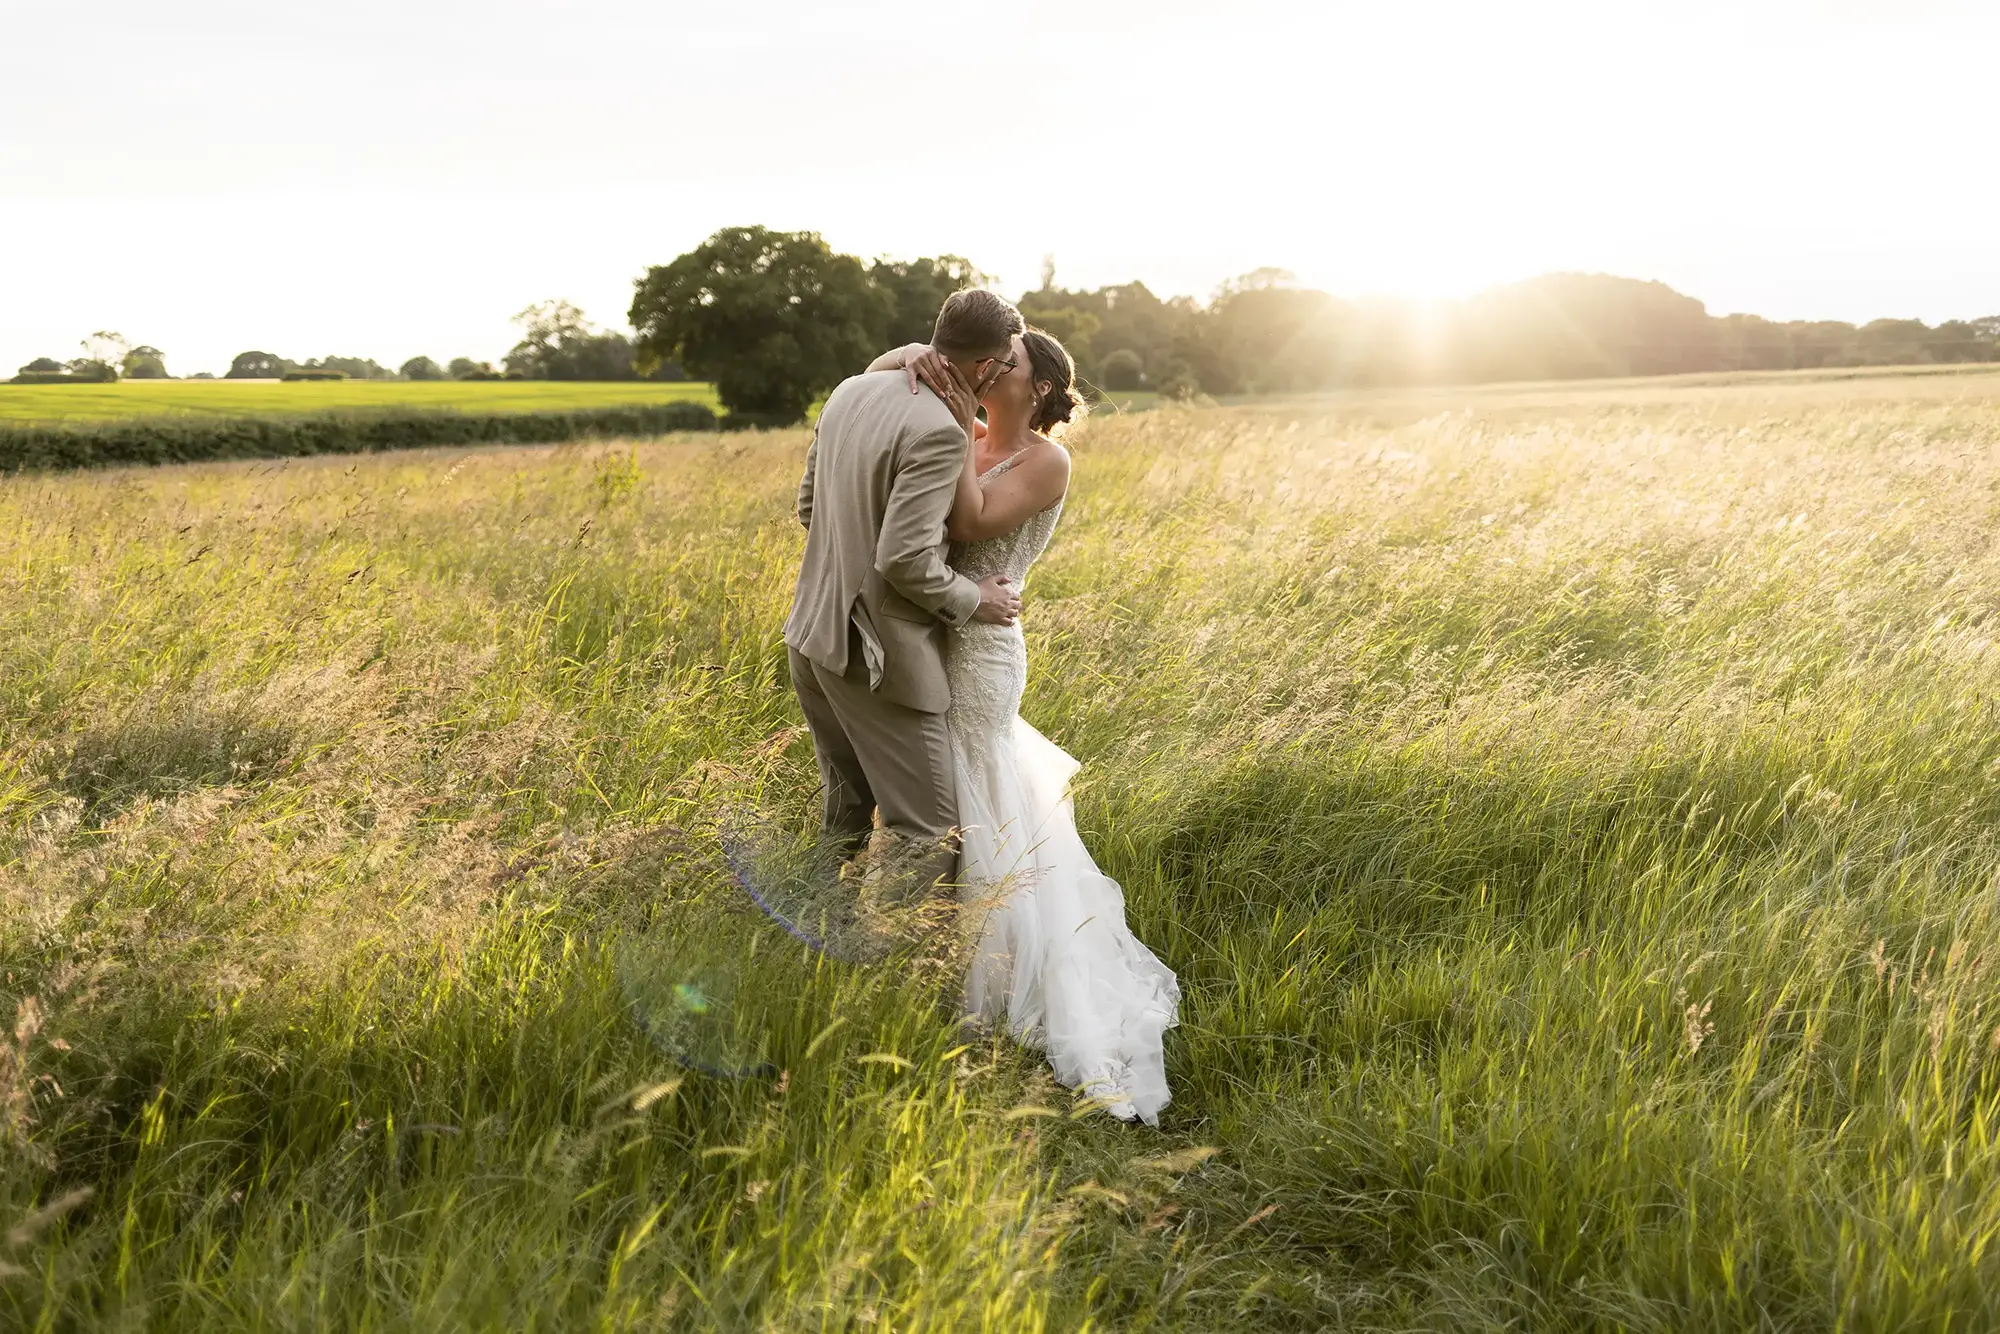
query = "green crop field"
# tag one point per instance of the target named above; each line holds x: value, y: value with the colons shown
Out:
x: 1574, y: 816
x: 265, y: 398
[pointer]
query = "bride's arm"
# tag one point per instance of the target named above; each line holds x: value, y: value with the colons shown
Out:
x: 1017, y: 495
x: 896, y: 358
x: 968, y: 502
x: 923, y: 364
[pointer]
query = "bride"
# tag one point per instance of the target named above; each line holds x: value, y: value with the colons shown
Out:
x: 1055, y: 961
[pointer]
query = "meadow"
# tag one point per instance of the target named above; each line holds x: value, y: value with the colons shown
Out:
x: 220, y: 399
x: 1571, y: 815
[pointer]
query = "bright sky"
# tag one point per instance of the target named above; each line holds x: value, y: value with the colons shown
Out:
x: 386, y: 179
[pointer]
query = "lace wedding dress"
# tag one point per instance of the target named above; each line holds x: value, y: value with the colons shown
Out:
x: 1054, y: 961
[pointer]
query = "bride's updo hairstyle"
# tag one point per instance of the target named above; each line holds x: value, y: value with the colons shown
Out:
x: 1048, y: 360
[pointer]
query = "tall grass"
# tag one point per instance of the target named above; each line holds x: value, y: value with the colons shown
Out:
x: 1572, y: 821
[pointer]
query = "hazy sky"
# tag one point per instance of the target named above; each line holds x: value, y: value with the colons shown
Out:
x: 386, y: 179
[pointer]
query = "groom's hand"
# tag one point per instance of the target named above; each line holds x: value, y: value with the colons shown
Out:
x: 999, y: 603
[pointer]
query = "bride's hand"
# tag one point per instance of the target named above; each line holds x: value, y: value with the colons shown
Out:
x: 923, y: 362
x: 962, y: 399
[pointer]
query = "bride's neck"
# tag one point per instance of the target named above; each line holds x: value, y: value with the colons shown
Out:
x: 1007, y: 428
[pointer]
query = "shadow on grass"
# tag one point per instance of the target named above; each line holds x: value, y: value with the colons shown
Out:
x: 171, y: 748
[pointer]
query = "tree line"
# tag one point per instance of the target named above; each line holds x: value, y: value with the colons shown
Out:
x: 107, y: 355
x: 1265, y: 334
x: 557, y: 342
x: 776, y: 319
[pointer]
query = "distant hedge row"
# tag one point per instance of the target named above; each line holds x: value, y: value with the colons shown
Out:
x: 58, y: 377
x: 182, y: 440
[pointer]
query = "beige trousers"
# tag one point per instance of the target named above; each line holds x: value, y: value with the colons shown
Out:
x: 877, y: 755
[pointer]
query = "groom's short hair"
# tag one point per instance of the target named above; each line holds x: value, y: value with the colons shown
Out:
x: 975, y: 321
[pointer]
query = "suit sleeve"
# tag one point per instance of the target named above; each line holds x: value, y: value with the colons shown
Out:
x: 920, y: 497
x: 804, y: 508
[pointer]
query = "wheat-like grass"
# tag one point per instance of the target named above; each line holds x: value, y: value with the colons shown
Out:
x: 1572, y: 816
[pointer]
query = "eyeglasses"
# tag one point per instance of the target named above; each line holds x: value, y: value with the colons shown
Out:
x: 1006, y: 364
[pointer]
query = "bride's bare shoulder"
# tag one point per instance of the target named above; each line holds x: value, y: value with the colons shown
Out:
x: 1046, y: 471
x: 1051, y: 455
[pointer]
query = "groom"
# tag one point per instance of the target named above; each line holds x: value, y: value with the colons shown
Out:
x: 867, y: 629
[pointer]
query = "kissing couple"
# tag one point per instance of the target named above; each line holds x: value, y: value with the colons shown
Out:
x: 906, y: 652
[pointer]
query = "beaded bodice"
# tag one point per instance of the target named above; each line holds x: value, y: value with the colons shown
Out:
x: 987, y: 665
x: 1011, y: 553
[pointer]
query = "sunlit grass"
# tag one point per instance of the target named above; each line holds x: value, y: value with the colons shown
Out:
x: 1573, y: 822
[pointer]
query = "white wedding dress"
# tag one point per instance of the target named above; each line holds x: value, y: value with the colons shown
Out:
x: 1054, y: 961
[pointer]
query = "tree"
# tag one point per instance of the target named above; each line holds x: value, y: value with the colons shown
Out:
x: 1073, y: 325
x: 88, y: 368
x: 547, y: 327
x: 1257, y: 280
x: 773, y: 318
x: 1822, y: 343
x: 558, y: 343
x: 257, y: 366
x: 107, y: 346
x: 354, y: 368
x: 420, y: 368
x: 1075, y: 329
x: 606, y: 355
x: 1128, y: 316
x: 916, y: 288
x: 1272, y: 339
x: 42, y: 366
x: 1750, y: 343
x: 1122, y: 370
x: 1134, y: 318
x: 465, y: 368
x: 1959, y: 340
x: 103, y: 352
x: 1564, y: 326
x: 1894, y: 342
x: 145, y: 363
x: 1177, y: 381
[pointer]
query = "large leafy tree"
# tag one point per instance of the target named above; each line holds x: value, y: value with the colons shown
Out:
x: 145, y: 363
x: 773, y: 318
x: 257, y: 366
x: 916, y: 288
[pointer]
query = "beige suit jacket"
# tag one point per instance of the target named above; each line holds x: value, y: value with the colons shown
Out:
x: 879, y: 480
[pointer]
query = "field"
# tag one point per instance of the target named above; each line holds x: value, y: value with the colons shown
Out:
x: 1572, y: 815
x: 267, y: 398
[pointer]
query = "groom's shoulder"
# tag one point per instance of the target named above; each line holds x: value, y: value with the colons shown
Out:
x: 884, y: 397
